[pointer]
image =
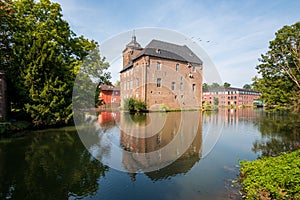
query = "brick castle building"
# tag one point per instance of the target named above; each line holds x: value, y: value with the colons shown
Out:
x: 161, y: 74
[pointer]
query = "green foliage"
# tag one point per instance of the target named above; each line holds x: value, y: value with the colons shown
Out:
x: 11, y: 127
x: 280, y: 70
x: 163, y: 107
x: 208, y: 107
x: 45, y: 59
x: 247, y: 87
x: 272, y: 177
x: 6, y: 16
x: 134, y: 105
x: 226, y: 85
x: 135, y: 118
x: 117, y: 83
x: 206, y: 86
x: 216, y: 101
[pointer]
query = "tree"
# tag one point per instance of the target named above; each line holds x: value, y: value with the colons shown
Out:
x: 247, y: 87
x: 6, y: 15
x: 205, y: 86
x: 216, y: 101
x: 215, y: 85
x: 280, y: 69
x: 226, y: 85
x: 47, y: 56
x: 117, y: 83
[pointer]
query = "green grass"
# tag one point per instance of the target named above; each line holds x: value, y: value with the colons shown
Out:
x: 272, y: 177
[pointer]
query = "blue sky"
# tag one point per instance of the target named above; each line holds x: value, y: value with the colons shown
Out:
x: 238, y: 31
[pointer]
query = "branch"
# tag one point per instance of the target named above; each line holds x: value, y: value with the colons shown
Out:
x: 287, y: 69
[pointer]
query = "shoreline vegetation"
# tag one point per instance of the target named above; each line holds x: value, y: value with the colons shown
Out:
x: 131, y: 106
x: 272, y: 177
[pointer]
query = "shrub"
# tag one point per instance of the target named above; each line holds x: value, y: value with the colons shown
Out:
x: 272, y: 177
x: 134, y: 105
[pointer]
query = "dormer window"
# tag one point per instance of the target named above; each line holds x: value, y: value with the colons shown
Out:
x: 158, y: 51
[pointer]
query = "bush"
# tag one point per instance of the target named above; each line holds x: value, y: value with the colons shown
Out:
x: 272, y: 177
x: 134, y: 105
x: 208, y: 107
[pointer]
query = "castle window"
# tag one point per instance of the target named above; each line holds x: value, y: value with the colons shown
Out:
x: 158, y: 82
x: 137, y: 82
x: 194, y: 87
x: 158, y: 65
x: 137, y: 68
x: 177, y: 67
x: 181, y: 86
x: 173, y: 86
x: 131, y: 84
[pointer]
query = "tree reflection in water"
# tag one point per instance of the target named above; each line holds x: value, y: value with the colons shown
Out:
x: 280, y: 133
x: 52, y: 165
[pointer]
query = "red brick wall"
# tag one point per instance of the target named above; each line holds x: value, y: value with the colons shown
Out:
x: 230, y: 99
x: 184, y: 97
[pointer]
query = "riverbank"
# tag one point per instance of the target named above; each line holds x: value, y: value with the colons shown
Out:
x: 12, y: 127
x: 272, y: 177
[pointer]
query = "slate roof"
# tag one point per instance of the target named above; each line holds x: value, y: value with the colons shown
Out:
x: 161, y: 49
x: 171, y: 51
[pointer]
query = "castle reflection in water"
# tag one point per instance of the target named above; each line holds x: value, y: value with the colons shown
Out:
x: 160, y: 137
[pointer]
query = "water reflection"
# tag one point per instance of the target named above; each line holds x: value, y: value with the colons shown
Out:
x: 145, y: 142
x: 279, y: 133
x: 54, y: 164
x: 232, y: 117
x: 48, y: 165
x: 187, y: 130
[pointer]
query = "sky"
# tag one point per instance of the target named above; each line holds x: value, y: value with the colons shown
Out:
x: 233, y: 33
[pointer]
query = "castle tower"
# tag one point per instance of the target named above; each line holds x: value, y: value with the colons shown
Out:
x: 132, y: 49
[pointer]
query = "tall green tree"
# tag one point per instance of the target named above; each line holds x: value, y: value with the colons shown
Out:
x: 280, y: 69
x: 6, y: 16
x: 47, y: 56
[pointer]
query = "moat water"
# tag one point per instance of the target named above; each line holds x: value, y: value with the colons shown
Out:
x: 55, y: 164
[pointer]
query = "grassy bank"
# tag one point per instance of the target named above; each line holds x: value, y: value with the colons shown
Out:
x: 272, y: 177
x: 12, y: 127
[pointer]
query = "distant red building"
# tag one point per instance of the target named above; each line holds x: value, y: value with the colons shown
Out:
x: 110, y: 95
x: 230, y: 96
